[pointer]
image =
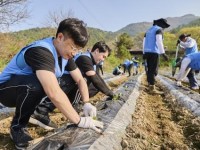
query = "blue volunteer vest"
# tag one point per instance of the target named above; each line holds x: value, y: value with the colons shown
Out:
x: 150, y: 40
x: 195, y: 61
x: 126, y: 62
x: 81, y: 54
x: 18, y: 66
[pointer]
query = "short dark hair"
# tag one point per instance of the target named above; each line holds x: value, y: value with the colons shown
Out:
x: 182, y: 36
x: 75, y: 29
x: 102, y: 46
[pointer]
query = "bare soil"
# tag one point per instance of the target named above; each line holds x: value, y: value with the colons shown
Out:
x: 159, y: 123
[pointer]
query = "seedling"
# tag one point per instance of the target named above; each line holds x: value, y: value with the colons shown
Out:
x: 95, y: 118
x: 117, y: 96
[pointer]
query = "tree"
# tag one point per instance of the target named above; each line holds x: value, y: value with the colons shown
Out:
x: 55, y: 17
x: 124, y: 44
x: 12, y: 12
x: 138, y: 41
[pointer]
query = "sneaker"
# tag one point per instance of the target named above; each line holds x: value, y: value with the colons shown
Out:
x: 43, y: 121
x: 20, y: 137
x: 179, y: 84
x: 195, y: 87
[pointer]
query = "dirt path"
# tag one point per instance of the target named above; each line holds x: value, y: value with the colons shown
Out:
x: 160, y: 124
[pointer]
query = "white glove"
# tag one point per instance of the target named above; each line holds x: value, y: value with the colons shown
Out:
x: 88, y: 122
x: 89, y: 110
x: 178, y: 83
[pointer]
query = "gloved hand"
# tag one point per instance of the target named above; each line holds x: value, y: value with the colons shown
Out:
x: 88, y: 122
x: 165, y: 57
x: 178, y: 42
x: 89, y: 110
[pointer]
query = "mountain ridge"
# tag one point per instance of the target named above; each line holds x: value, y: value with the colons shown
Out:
x: 135, y: 28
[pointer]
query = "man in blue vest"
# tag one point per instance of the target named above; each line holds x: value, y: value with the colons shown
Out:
x: 152, y: 48
x: 34, y: 72
x: 87, y: 63
x: 189, y: 45
x: 190, y: 61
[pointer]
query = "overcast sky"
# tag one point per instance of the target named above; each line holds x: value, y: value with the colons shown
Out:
x: 109, y: 15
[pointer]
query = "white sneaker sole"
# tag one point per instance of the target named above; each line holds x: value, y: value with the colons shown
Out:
x: 18, y: 148
x: 36, y: 122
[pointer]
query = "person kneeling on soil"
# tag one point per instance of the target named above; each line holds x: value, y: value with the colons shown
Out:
x: 191, y: 61
x: 127, y: 65
x: 86, y: 62
x: 32, y: 73
x: 117, y: 70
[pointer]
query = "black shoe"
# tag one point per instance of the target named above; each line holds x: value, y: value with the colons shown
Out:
x: 20, y: 137
x: 43, y: 121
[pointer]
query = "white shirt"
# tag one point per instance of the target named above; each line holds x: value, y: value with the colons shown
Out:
x: 190, y: 42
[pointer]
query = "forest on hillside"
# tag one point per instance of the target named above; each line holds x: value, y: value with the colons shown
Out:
x: 121, y: 41
x: 11, y: 43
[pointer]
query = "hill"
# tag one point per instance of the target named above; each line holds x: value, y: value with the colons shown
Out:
x: 97, y: 35
x: 12, y: 42
x: 136, y: 28
x: 195, y: 23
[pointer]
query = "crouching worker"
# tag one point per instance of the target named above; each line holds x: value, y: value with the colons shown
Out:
x: 86, y: 62
x: 189, y: 45
x: 190, y: 61
x: 127, y: 65
x: 33, y: 73
x: 117, y: 70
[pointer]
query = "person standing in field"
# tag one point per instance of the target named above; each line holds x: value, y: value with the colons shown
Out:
x: 152, y: 48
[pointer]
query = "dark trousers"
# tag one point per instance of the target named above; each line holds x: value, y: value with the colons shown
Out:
x: 116, y: 72
x: 152, y: 65
x: 127, y: 68
x: 71, y: 89
x: 192, y: 79
x: 23, y: 92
